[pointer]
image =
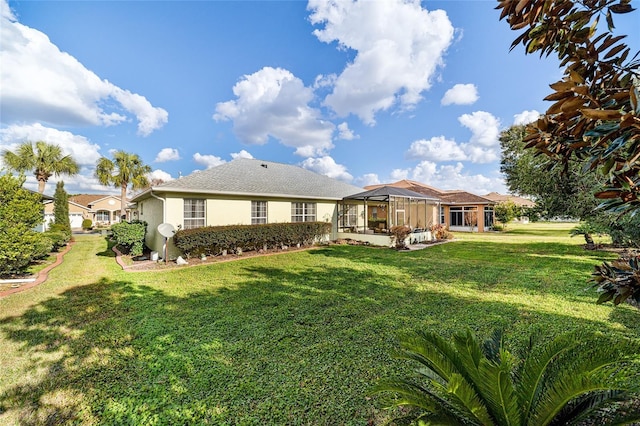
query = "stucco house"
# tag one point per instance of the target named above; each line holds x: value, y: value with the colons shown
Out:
x: 101, y: 209
x: 459, y: 210
x: 241, y: 192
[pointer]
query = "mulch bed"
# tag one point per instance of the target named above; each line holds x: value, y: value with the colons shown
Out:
x: 128, y: 263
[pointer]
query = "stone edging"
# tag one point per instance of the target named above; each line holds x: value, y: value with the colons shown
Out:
x: 42, y: 275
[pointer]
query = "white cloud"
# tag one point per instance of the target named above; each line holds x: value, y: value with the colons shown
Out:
x: 398, y: 44
x: 460, y: 94
x: 79, y: 147
x: 241, y: 154
x: 526, y: 117
x: 345, y: 133
x: 167, y: 154
x: 328, y: 167
x: 42, y: 83
x: 367, y: 179
x: 399, y: 174
x: 160, y: 175
x: 437, y: 148
x: 274, y: 103
x: 208, y: 161
x: 485, y: 128
x: 482, y: 147
x: 454, y: 177
x: 5, y: 11
x: 450, y: 176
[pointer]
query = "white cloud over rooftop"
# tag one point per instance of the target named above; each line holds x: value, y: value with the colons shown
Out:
x: 272, y: 102
x: 399, y: 46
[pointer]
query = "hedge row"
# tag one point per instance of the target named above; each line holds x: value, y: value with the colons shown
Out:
x: 212, y: 240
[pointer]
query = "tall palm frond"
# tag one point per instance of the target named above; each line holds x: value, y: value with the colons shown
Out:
x: 43, y: 159
x: 125, y: 169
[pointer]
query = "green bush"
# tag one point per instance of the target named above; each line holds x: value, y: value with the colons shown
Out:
x: 130, y: 236
x: 58, y: 239
x: 20, y: 212
x: 212, y: 240
x: 42, y: 246
x: 87, y: 224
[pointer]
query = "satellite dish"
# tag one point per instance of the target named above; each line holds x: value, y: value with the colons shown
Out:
x: 166, y: 230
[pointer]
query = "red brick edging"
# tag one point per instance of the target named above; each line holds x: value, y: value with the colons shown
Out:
x: 42, y: 275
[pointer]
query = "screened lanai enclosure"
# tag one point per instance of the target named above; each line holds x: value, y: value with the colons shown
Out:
x: 371, y: 214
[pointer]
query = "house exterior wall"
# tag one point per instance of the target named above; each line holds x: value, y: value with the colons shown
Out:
x: 221, y: 211
x: 150, y: 210
x: 109, y: 204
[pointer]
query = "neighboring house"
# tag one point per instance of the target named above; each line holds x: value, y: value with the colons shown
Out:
x: 102, y: 210
x: 459, y: 210
x: 518, y: 201
x: 45, y: 199
x: 241, y: 192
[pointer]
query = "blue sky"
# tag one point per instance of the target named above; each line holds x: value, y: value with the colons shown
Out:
x: 362, y: 91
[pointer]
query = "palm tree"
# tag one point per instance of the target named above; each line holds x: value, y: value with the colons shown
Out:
x: 123, y: 170
x: 571, y: 380
x: 44, y: 160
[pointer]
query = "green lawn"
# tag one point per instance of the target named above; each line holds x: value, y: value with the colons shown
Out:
x: 297, y: 338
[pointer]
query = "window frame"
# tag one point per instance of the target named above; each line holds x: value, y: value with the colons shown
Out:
x: 303, y: 212
x: 190, y: 221
x: 256, y: 218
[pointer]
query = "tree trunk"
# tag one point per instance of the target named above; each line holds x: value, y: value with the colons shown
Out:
x: 591, y: 245
x: 123, y: 202
x: 41, y: 184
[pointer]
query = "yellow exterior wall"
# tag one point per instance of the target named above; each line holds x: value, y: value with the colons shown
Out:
x: 220, y: 211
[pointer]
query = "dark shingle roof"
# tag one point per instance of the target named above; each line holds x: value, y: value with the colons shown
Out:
x: 383, y: 193
x: 260, y: 178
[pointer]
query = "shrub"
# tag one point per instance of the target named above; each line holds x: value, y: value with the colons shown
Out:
x: 58, y: 239
x: 212, y: 240
x: 20, y: 212
x: 130, y: 236
x: 573, y: 379
x: 87, y: 224
x: 399, y: 234
x: 440, y: 232
x: 43, y: 245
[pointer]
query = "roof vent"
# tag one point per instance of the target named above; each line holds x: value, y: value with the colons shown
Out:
x: 263, y: 165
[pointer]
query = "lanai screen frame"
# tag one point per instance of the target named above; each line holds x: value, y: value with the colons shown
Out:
x: 393, y: 197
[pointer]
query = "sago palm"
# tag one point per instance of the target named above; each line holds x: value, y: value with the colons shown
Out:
x: 125, y: 169
x: 570, y: 380
x: 43, y: 159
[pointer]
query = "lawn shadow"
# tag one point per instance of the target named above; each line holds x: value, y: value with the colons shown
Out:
x: 108, y: 252
x: 281, y: 346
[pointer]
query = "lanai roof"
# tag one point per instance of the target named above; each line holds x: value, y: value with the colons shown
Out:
x: 449, y: 197
x: 383, y: 193
x: 258, y: 178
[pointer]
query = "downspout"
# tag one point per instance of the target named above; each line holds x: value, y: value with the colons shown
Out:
x: 164, y: 212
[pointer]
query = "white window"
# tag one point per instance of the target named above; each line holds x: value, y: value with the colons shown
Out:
x: 349, y: 215
x: 193, y: 213
x: 303, y: 212
x: 258, y: 212
x: 102, y: 216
